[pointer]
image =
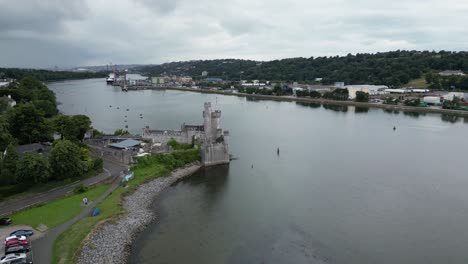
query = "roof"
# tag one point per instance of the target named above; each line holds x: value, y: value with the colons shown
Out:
x: 35, y: 148
x: 128, y: 143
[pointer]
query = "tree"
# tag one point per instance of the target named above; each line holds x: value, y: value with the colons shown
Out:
x: 71, y: 127
x: 10, y: 159
x: 32, y: 169
x: 5, y: 137
x: 65, y: 160
x: 83, y: 124
x: 362, y: 96
x: 315, y: 94
x: 453, y: 104
x: 48, y: 108
x: 28, y: 124
x: 121, y: 132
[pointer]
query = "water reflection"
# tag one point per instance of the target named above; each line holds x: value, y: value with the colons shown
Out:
x: 360, y: 109
x: 337, y: 108
x: 213, y: 179
x: 450, y: 118
x: 413, y: 114
x: 312, y: 105
x: 391, y: 111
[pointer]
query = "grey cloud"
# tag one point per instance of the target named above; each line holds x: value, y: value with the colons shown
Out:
x: 160, y: 6
x: 87, y: 32
x: 39, y: 16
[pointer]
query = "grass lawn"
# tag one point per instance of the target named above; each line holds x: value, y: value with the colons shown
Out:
x: 40, y: 188
x: 418, y: 83
x: 67, y: 245
x: 57, y: 212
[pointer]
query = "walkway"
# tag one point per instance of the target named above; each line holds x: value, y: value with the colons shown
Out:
x: 42, y: 248
x: 111, y: 168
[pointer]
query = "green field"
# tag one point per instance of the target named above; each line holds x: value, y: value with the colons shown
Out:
x: 66, y: 245
x: 57, y: 212
x: 418, y: 83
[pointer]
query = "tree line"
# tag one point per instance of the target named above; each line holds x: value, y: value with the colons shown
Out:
x: 395, y: 68
x: 46, y: 75
x: 36, y: 119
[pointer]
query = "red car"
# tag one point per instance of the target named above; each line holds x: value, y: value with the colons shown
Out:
x: 16, y: 242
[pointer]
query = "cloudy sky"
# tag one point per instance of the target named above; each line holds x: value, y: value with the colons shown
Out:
x: 45, y: 33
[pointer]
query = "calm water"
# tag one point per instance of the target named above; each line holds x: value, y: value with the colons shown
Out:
x: 346, y: 188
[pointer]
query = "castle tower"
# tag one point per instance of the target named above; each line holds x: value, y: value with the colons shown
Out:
x: 207, y: 122
x: 215, y: 148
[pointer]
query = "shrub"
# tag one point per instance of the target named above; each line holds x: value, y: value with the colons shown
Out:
x: 80, y: 189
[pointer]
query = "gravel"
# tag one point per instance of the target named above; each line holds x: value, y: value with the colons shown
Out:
x: 111, y: 241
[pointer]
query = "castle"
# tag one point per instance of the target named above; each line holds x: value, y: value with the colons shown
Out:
x: 214, y: 141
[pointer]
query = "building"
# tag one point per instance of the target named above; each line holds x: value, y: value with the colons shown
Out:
x: 451, y: 73
x: 6, y: 82
x: 158, y: 80
x: 451, y: 95
x: 214, y: 80
x: 186, y: 79
x: 432, y: 100
x: 396, y: 91
x: 11, y: 102
x: 126, y: 144
x: 370, y: 89
x: 339, y: 84
x: 214, y: 141
x: 204, y: 74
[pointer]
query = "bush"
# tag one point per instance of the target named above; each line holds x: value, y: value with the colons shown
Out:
x: 179, y: 146
x: 80, y: 189
x: 98, y: 164
x: 362, y: 97
x: 170, y: 161
x: 10, y: 190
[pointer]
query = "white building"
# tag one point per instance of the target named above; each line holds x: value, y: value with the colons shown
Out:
x: 367, y: 88
x: 451, y: 95
x: 432, y: 100
x: 204, y: 74
x: 396, y: 91
x: 450, y: 73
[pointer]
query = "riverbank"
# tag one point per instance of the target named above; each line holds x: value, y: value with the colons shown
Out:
x: 111, y: 241
x: 331, y: 102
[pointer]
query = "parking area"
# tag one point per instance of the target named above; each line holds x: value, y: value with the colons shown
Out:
x: 5, y: 232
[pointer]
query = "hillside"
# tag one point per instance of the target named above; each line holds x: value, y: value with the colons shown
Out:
x: 394, y: 68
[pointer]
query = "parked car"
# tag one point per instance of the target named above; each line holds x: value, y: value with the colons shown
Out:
x: 15, y: 237
x: 12, y: 242
x: 12, y: 257
x: 22, y: 232
x: 17, y: 249
x: 5, y: 221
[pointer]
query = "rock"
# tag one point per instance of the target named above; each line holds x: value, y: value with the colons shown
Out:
x: 111, y: 242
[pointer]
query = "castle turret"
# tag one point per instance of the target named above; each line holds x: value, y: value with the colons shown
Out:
x: 207, y: 122
x: 215, y: 146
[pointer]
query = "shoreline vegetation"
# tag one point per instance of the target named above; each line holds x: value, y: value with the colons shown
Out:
x: 327, y: 101
x: 107, y: 238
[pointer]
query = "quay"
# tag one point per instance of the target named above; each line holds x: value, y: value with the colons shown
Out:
x: 308, y: 100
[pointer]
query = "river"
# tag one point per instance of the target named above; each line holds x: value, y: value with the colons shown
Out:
x: 346, y: 187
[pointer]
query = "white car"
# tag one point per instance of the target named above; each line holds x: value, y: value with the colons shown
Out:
x: 15, y: 237
x: 11, y: 257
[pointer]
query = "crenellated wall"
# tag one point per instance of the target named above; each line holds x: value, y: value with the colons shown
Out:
x: 214, y: 149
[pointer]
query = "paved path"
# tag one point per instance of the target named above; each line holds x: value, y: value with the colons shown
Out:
x: 42, y: 248
x: 111, y: 169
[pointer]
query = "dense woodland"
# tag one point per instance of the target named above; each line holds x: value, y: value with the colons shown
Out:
x: 35, y: 119
x: 46, y: 75
x: 394, y: 68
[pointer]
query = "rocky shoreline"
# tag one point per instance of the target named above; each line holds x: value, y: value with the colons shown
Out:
x: 111, y: 241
